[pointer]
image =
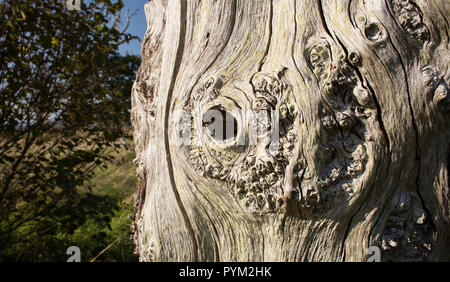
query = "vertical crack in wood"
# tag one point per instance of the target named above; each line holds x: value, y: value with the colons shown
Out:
x: 261, y: 63
x: 348, y: 229
x: 325, y: 26
x: 378, y: 117
x: 415, y: 129
x: 179, y: 55
x: 322, y: 18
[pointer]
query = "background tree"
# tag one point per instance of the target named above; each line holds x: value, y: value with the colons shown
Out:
x: 64, y: 101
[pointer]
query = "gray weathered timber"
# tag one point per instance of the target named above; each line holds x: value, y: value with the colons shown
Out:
x: 359, y: 93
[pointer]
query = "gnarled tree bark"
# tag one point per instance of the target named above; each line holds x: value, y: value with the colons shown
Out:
x: 357, y: 92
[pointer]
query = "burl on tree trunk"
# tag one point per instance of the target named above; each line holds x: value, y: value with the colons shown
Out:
x: 352, y: 151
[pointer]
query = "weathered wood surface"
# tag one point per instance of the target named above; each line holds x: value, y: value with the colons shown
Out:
x: 360, y: 91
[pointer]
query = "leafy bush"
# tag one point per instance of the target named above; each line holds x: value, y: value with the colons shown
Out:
x: 64, y: 101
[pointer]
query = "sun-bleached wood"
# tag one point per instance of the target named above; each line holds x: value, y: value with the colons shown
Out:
x: 360, y: 91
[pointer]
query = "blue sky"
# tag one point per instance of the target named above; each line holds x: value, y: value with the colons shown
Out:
x: 138, y: 25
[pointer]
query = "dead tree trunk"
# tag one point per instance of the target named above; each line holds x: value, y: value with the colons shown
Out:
x: 352, y: 150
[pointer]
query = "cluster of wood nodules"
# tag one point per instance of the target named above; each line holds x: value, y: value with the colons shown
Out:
x: 252, y: 158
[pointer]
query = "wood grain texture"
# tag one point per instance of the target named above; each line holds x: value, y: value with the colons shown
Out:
x: 357, y: 97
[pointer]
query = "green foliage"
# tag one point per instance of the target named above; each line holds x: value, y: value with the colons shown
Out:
x: 47, y: 238
x: 118, y: 181
x: 64, y: 101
